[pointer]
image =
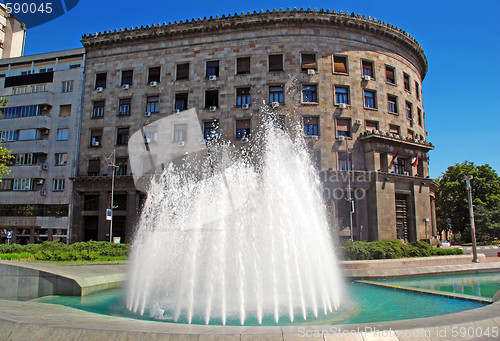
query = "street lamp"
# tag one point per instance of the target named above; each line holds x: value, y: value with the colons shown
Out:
x: 111, y: 161
x: 349, y: 198
x: 467, y: 179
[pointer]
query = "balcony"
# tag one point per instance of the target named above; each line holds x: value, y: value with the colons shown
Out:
x: 31, y: 146
x: 384, y: 137
x: 31, y: 122
x: 32, y: 98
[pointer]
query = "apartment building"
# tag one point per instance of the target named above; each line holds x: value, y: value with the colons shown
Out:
x: 12, y: 35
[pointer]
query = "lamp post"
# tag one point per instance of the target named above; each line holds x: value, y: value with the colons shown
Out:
x: 467, y: 179
x: 349, y: 197
x: 448, y: 235
x: 111, y: 161
x: 426, y: 235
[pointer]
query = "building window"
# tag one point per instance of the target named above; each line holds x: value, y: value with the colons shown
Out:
x: 154, y: 74
x: 406, y: 81
x: 90, y: 202
x: 242, y: 128
x: 127, y: 77
x: 369, y: 99
x: 25, y: 159
x: 62, y: 134
x: 211, y: 99
x: 399, y: 166
x: 309, y: 94
x: 61, y: 159
x: 67, y: 86
x: 419, y: 116
x: 390, y: 75
x: 20, y: 90
x: 408, y: 109
x: 150, y: 134
x: 122, y: 136
x: 153, y: 104
x: 58, y: 185
x: 24, y: 111
x: 180, y: 132
x: 121, y: 166
x: 367, y: 68
x: 9, y: 136
x: 38, y: 88
x: 311, y: 126
x: 341, y: 94
x: 182, y: 71
x: 344, y: 161
x: 392, y: 104
x: 308, y: 61
x: 243, y: 65
x: 211, y: 130
x: 242, y: 97
x: 24, y: 184
x: 343, y: 127
x: 28, y: 135
x: 340, y: 64
x: 48, y: 69
x: 74, y: 66
x: 394, y: 129
x: 124, y: 106
x: 181, y: 101
x: 6, y: 185
x: 94, y: 167
x: 417, y: 90
x: 411, y: 134
x: 371, y: 125
x: 275, y: 62
x: 276, y: 94
x: 98, y: 110
x: 95, y: 137
x: 212, y: 68
x: 65, y: 110
x: 100, y: 80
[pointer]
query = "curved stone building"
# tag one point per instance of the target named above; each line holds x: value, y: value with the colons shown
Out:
x: 354, y: 82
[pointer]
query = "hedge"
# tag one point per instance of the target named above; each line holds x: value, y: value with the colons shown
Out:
x: 390, y: 249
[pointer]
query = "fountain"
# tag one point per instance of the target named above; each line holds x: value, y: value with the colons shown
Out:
x: 225, y: 239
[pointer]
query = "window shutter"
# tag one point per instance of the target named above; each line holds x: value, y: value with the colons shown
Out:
x: 94, y: 166
x: 311, y: 120
x: 340, y: 64
x: 309, y: 61
x: 276, y: 62
x: 371, y: 125
x: 389, y: 73
x: 243, y: 65
x: 343, y: 124
x: 243, y: 124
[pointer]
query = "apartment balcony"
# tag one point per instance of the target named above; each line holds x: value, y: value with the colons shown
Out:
x: 31, y: 122
x: 394, y: 139
x: 44, y: 98
x: 31, y: 146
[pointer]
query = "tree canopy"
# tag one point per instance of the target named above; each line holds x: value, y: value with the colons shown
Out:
x: 4, y: 153
x: 452, y: 202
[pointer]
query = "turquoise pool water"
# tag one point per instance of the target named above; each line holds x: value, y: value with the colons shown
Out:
x: 482, y: 285
x: 366, y: 304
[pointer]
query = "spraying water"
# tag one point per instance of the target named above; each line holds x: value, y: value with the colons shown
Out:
x: 226, y: 239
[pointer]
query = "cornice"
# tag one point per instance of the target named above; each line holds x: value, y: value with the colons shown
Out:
x: 258, y: 21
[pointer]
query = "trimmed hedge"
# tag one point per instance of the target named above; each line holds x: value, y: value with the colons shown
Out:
x: 56, y: 251
x: 391, y: 249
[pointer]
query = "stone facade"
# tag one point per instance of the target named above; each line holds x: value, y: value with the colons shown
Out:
x: 40, y: 125
x: 337, y: 74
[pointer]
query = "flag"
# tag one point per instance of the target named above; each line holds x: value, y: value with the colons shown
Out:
x: 395, y: 157
x: 414, y: 161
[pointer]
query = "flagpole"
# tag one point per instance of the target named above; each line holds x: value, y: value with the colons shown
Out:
x: 111, y: 161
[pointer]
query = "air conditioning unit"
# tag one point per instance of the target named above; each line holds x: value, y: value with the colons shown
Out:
x: 311, y: 71
x: 99, y: 89
x: 244, y: 139
x: 275, y: 105
x: 147, y: 114
x: 153, y: 83
x: 45, y: 166
x: 213, y: 108
x: 176, y: 111
x: 45, y: 131
x: 147, y: 140
x: 180, y: 143
x: 245, y: 106
x: 40, y: 181
x: 126, y: 86
x: 359, y: 122
x: 341, y: 138
x: 43, y: 192
x: 366, y: 78
x: 342, y: 105
x: 212, y: 78
x: 95, y: 144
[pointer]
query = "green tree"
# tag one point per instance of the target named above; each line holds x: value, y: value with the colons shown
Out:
x: 4, y: 153
x: 451, y: 200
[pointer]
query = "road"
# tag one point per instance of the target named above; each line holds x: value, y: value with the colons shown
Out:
x: 489, y: 250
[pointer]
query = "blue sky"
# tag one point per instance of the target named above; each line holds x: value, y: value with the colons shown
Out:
x: 461, y: 40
